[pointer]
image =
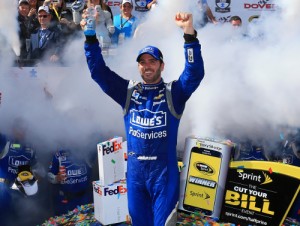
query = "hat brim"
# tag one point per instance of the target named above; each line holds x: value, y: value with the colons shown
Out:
x: 139, y: 56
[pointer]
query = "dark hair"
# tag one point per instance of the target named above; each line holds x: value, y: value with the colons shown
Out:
x: 235, y: 18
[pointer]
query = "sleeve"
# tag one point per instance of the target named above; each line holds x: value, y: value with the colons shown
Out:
x: 2, y: 142
x: 109, y: 23
x: 111, y: 83
x: 191, y: 76
x: 134, y: 26
x: 57, y: 42
x: 54, y: 164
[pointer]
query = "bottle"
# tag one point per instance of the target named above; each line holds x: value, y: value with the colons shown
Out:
x: 90, y: 27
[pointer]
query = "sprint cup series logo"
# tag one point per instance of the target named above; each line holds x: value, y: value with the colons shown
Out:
x: 147, y: 119
x: 223, y: 6
x: 204, y: 168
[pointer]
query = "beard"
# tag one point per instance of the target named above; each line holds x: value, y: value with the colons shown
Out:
x: 154, y: 78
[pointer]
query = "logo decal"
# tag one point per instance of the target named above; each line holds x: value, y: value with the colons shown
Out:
x: 190, y: 53
x: 148, y: 119
x: 204, y: 168
x: 223, y: 6
x: 16, y: 161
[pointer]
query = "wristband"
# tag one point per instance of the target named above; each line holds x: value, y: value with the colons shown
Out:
x: 91, y: 39
x: 190, y: 38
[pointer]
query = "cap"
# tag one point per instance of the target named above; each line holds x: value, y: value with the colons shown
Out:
x: 125, y: 1
x: 153, y: 51
x: 23, y: 1
x: 44, y: 8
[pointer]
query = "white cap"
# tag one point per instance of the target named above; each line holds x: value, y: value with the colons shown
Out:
x: 23, y: 1
x: 44, y: 8
x: 125, y: 1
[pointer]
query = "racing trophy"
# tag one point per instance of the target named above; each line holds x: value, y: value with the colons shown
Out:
x: 77, y: 7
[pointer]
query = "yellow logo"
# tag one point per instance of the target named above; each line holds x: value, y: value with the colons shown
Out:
x: 267, y: 179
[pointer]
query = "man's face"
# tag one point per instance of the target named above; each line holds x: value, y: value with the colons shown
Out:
x: 44, y: 18
x: 236, y: 23
x: 126, y: 8
x: 32, y: 2
x: 150, y: 69
x: 24, y: 9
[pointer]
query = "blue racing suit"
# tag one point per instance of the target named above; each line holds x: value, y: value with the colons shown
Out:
x: 12, y: 155
x: 151, y: 115
x: 74, y: 191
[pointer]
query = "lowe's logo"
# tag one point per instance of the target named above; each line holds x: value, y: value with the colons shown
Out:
x: 16, y: 161
x: 148, y: 119
x: 77, y: 170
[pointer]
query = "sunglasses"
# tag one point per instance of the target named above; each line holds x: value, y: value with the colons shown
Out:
x: 43, y: 16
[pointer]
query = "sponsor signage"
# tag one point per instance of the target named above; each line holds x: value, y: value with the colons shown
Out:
x: 111, y: 160
x: 110, y: 202
x: 203, y: 177
x: 257, y: 193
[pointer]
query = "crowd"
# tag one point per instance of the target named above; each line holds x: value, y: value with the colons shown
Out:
x: 46, y: 26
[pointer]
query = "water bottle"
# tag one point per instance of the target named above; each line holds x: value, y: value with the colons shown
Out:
x: 90, y: 27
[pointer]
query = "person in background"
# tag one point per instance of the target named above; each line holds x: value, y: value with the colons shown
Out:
x: 124, y: 23
x: 70, y: 175
x: 62, y: 17
x: 103, y: 5
x: 235, y: 21
x: 14, y: 154
x: 104, y: 23
x: 204, y: 15
x: 24, y: 27
x: 152, y: 110
x: 151, y: 3
x: 33, y: 15
x: 45, y: 41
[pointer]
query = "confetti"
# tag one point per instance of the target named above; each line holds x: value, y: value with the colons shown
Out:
x: 84, y: 215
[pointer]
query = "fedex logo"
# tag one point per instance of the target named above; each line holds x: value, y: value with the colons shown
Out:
x: 110, y: 147
x: 119, y: 190
x: 16, y: 161
x: 148, y: 119
x: 97, y: 189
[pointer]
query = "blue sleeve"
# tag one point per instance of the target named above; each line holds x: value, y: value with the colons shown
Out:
x: 190, y: 78
x: 34, y: 160
x: 3, y: 142
x: 111, y: 83
x: 54, y: 165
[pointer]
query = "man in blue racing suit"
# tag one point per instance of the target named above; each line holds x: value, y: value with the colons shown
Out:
x: 152, y: 111
x: 70, y: 174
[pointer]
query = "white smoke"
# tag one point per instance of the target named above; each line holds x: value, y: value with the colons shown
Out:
x: 250, y: 83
